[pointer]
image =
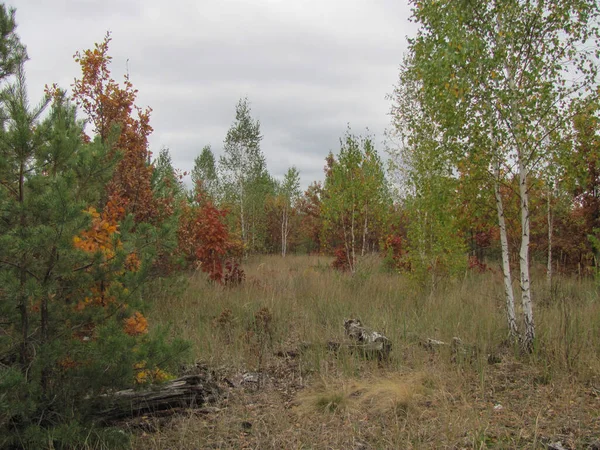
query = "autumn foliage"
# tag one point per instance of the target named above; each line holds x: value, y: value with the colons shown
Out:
x: 341, y: 261
x: 111, y: 109
x: 395, y: 252
x: 88, y: 221
x: 311, y: 221
x: 204, y: 239
x: 136, y: 324
x: 102, y: 237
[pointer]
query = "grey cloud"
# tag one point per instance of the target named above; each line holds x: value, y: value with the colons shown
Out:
x: 308, y: 67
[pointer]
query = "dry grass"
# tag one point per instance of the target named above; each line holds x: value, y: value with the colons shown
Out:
x: 418, y: 399
x: 371, y: 396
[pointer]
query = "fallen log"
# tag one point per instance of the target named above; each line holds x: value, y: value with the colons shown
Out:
x: 432, y: 344
x: 187, y: 392
x: 371, y: 343
x: 367, y: 342
x: 460, y: 351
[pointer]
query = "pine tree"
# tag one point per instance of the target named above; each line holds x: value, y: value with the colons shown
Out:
x: 72, y: 279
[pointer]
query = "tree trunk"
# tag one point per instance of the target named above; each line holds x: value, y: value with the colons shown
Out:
x: 365, y: 228
x: 242, y: 218
x: 550, y: 224
x: 253, y: 230
x: 283, y: 233
x: 526, y: 300
x: 44, y: 316
x: 508, y: 289
x: 24, y: 353
x: 287, y: 227
x: 353, y: 243
x: 346, y: 243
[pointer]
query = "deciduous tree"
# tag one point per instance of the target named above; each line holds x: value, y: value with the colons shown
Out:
x: 205, y: 172
x: 288, y: 191
x: 355, y: 195
x: 112, y: 111
x: 244, y: 174
x: 499, y: 77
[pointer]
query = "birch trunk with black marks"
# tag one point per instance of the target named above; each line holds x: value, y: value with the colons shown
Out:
x: 365, y: 231
x: 508, y: 289
x: 242, y: 217
x: 284, y: 230
x: 370, y: 342
x: 353, y: 243
x: 550, y: 224
x: 521, y: 150
x: 526, y: 300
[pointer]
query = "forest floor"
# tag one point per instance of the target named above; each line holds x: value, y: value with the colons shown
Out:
x: 266, y: 342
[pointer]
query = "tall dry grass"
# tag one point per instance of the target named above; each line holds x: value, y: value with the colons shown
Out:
x: 308, y: 301
x: 418, y: 399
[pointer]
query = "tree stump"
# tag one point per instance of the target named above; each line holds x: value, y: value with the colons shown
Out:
x: 370, y: 343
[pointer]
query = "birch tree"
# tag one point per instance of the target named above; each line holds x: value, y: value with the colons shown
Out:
x: 244, y: 172
x: 289, y: 192
x: 423, y: 170
x: 205, y: 173
x: 500, y: 76
x: 355, y: 195
x: 166, y: 182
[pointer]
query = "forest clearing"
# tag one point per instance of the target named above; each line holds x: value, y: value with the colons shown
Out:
x: 497, y: 397
x: 280, y: 291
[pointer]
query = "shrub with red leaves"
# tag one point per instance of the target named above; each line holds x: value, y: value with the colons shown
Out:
x: 340, y: 262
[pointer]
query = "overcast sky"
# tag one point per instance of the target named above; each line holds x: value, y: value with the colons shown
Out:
x: 308, y: 67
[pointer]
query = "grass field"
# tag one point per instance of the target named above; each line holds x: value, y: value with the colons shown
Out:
x: 420, y: 398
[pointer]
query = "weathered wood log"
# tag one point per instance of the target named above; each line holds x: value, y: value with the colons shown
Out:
x: 188, y: 392
x: 432, y: 344
x: 367, y: 342
x: 371, y: 343
x: 460, y: 351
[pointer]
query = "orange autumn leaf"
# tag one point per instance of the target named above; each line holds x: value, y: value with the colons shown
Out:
x: 132, y: 262
x: 67, y: 363
x: 144, y: 375
x: 100, y: 236
x: 136, y: 324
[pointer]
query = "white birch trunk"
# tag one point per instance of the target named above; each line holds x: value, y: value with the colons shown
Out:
x: 365, y: 231
x: 525, y: 281
x: 550, y: 224
x: 283, y: 231
x: 287, y: 228
x: 526, y: 300
x: 353, y: 243
x: 285, y: 235
x: 242, y: 217
x: 346, y: 243
x: 508, y: 289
